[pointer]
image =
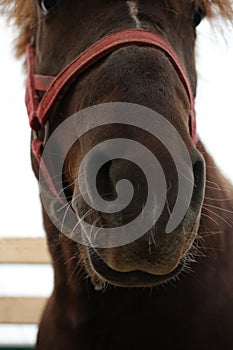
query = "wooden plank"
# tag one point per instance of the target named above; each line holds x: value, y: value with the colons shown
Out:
x: 16, y: 347
x: 24, y: 251
x: 21, y: 310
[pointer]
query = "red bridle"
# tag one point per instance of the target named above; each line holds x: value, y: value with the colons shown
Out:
x: 54, y: 88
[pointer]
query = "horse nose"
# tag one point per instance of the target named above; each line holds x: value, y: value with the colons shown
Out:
x: 118, y: 190
x: 163, y: 256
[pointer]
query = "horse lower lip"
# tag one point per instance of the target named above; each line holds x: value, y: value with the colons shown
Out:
x: 130, y: 279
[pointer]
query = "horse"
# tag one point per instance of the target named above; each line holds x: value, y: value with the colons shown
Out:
x: 168, y: 287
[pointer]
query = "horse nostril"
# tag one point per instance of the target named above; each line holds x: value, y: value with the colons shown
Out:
x: 116, y: 189
x: 104, y: 183
x: 199, y: 183
x: 113, y: 184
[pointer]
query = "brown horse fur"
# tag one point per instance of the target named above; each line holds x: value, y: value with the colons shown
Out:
x: 197, y: 311
x: 23, y: 16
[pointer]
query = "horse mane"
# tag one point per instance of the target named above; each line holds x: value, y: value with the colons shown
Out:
x: 22, y: 14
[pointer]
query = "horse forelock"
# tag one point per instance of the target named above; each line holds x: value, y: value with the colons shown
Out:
x: 22, y: 15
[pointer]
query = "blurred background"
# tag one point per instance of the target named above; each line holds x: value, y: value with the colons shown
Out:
x: 20, y: 207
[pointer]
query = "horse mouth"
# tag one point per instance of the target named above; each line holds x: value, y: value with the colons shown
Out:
x: 129, y: 279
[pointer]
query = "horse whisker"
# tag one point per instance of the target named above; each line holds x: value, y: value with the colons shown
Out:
x: 209, y: 217
x: 220, y: 217
x: 219, y: 208
x: 219, y: 199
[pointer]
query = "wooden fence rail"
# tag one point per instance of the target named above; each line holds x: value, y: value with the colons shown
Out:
x: 22, y: 310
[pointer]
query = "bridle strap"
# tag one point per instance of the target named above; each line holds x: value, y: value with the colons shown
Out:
x: 42, y: 82
x: 54, y: 88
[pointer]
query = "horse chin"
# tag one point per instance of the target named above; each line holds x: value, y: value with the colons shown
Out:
x: 101, y: 273
x: 101, y: 269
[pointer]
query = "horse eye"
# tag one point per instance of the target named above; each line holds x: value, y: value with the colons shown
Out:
x: 197, y: 15
x: 47, y: 6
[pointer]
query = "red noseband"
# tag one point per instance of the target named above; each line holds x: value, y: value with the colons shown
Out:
x: 54, y: 88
